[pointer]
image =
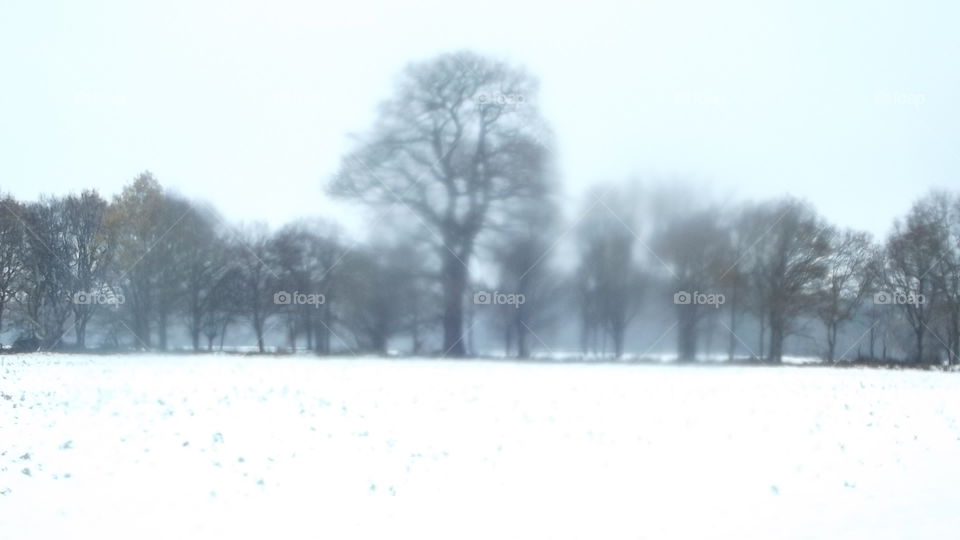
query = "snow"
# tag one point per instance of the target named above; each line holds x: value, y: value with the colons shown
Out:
x: 153, y: 446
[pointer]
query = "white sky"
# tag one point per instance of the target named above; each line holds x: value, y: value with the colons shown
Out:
x: 852, y: 105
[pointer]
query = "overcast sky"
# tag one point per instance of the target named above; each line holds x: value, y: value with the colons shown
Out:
x: 852, y: 105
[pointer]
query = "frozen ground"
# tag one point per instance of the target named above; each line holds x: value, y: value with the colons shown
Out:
x: 296, y: 447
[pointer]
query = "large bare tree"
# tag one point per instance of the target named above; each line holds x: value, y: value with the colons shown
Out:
x: 456, y: 145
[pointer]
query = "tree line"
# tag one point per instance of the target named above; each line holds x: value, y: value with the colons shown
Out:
x: 469, y: 233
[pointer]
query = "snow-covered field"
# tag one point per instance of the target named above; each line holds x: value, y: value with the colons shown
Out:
x: 300, y: 447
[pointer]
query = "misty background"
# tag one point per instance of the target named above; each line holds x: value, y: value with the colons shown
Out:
x: 847, y: 111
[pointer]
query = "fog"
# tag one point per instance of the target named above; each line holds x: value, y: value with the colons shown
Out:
x: 433, y: 269
x: 624, y: 154
x: 850, y: 106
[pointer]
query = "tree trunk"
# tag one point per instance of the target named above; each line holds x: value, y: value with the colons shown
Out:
x: 687, y: 333
x: 523, y: 349
x: 776, y: 341
x: 223, y: 333
x: 141, y: 327
x: 196, y: 322
x: 380, y: 342
x: 618, y: 331
x: 81, y: 332
x: 415, y: 336
x: 954, y: 336
x: 454, y: 287
x: 322, y: 336
x: 732, y: 345
x: 162, y: 329
x: 584, y: 335
x: 919, y: 334
x: 831, y: 341
x: 258, y: 330
x: 292, y: 333
x: 763, y: 330
x: 195, y: 337
x: 308, y: 329
x: 708, y: 340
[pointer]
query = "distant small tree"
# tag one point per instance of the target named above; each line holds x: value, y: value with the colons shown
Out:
x: 11, y: 251
x: 845, y: 283
x: 224, y: 303
x: 91, y: 254
x: 203, y: 256
x: 609, y: 283
x: 524, y: 265
x: 912, y: 253
x: 47, y: 276
x: 879, y: 318
x: 945, y: 210
x: 252, y: 250
x: 789, y: 261
x: 694, y: 248
x: 734, y: 278
x: 309, y: 259
x: 136, y: 223
x: 378, y: 289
